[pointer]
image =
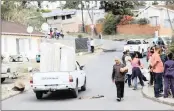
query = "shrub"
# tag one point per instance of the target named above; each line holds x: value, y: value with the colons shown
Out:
x: 143, y: 21
x: 45, y: 11
x: 110, y: 22
x: 80, y: 36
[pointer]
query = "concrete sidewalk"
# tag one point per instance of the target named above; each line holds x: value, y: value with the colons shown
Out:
x: 148, y: 92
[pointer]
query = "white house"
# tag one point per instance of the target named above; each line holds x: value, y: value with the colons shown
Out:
x: 158, y: 16
x: 15, y: 40
x: 69, y: 20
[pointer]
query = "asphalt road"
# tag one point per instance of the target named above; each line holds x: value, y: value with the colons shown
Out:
x: 98, y: 83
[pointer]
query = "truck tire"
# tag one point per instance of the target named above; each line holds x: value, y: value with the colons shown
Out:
x: 2, y: 80
x: 75, y: 91
x: 39, y: 94
x: 83, y: 88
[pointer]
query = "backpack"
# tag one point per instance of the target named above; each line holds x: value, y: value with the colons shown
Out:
x: 170, y: 71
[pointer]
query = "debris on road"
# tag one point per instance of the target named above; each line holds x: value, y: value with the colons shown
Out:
x: 93, y: 97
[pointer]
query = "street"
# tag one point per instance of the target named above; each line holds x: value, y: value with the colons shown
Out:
x: 99, y: 70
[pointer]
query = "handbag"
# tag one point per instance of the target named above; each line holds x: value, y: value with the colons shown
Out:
x: 170, y: 72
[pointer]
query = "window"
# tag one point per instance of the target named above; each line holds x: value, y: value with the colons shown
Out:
x: 63, y: 17
x: 134, y: 42
x: 55, y: 17
x: 68, y: 16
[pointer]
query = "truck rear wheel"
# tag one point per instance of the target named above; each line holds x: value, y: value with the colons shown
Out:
x: 39, y: 95
x: 83, y: 88
x: 2, y: 80
x: 75, y: 91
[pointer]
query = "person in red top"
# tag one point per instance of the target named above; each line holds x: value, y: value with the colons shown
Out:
x: 158, y: 69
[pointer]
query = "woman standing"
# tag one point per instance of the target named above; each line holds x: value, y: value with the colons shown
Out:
x: 118, y: 77
x: 169, y: 76
x: 150, y: 68
x: 128, y: 61
x: 136, y: 71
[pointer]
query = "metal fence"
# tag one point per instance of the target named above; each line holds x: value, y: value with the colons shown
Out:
x: 81, y: 44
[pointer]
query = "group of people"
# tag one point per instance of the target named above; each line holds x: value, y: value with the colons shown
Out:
x: 130, y: 69
x: 56, y: 34
x: 161, y: 68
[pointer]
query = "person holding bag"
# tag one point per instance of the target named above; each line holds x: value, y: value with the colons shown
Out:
x: 169, y: 75
x: 118, y: 77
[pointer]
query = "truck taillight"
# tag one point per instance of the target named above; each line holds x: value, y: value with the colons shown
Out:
x: 70, y: 78
x: 31, y: 80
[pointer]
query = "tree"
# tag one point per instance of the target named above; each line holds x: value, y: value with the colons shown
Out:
x: 117, y: 7
x: 155, y: 3
x: 39, y: 3
x: 24, y: 3
x: 110, y: 22
x: 15, y: 12
x: 70, y: 4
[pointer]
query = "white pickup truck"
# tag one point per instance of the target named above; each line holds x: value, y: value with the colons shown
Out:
x: 137, y: 45
x: 55, y: 81
x: 58, y: 71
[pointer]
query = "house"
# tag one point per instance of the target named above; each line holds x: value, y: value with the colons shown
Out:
x: 159, y: 16
x: 70, y: 20
x: 16, y: 40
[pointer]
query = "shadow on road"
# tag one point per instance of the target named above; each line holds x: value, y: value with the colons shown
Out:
x: 59, y: 95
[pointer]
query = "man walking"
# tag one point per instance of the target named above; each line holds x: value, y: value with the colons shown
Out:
x: 118, y: 77
x: 158, y: 69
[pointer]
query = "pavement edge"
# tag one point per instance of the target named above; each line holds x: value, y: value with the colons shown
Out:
x: 155, y: 99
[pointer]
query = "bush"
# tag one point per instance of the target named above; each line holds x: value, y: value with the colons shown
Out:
x: 109, y: 26
x: 155, y: 3
x: 80, y: 36
x: 45, y: 11
x: 143, y: 21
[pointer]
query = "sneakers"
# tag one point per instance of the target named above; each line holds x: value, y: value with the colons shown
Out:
x: 157, y: 96
x: 118, y: 99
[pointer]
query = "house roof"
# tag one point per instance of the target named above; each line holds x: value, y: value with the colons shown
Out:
x: 159, y: 7
x: 58, y: 12
x: 12, y: 28
x: 171, y: 7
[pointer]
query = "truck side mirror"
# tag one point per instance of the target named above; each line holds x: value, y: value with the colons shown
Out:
x: 82, y: 67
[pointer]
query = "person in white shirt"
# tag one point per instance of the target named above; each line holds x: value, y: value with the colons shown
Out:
x: 92, y: 45
x: 128, y: 61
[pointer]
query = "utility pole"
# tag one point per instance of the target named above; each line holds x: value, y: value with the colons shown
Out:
x: 83, y: 26
x: 92, y: 31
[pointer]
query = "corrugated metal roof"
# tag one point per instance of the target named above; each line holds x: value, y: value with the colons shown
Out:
x: 17, y: 29
x: 58, y: 12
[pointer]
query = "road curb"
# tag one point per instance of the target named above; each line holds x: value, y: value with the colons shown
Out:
x: 15, y: 94
x: 155, y: 99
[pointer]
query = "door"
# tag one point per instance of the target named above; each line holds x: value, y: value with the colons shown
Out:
x: 81, y: 75
x: 17, y: 46
x: 145, y: 45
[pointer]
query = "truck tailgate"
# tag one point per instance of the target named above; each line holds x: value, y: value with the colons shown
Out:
x: 51, y: 78
x: 131, y: 48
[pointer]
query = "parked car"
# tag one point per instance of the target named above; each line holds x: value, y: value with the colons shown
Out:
x: 38, y: 58
x: 5, y: 72
x: 137, y: 45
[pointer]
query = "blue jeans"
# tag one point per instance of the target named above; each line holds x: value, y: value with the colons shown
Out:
x: 157, y: 83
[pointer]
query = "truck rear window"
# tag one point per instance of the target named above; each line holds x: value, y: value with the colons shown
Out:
x: 134, y: 42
